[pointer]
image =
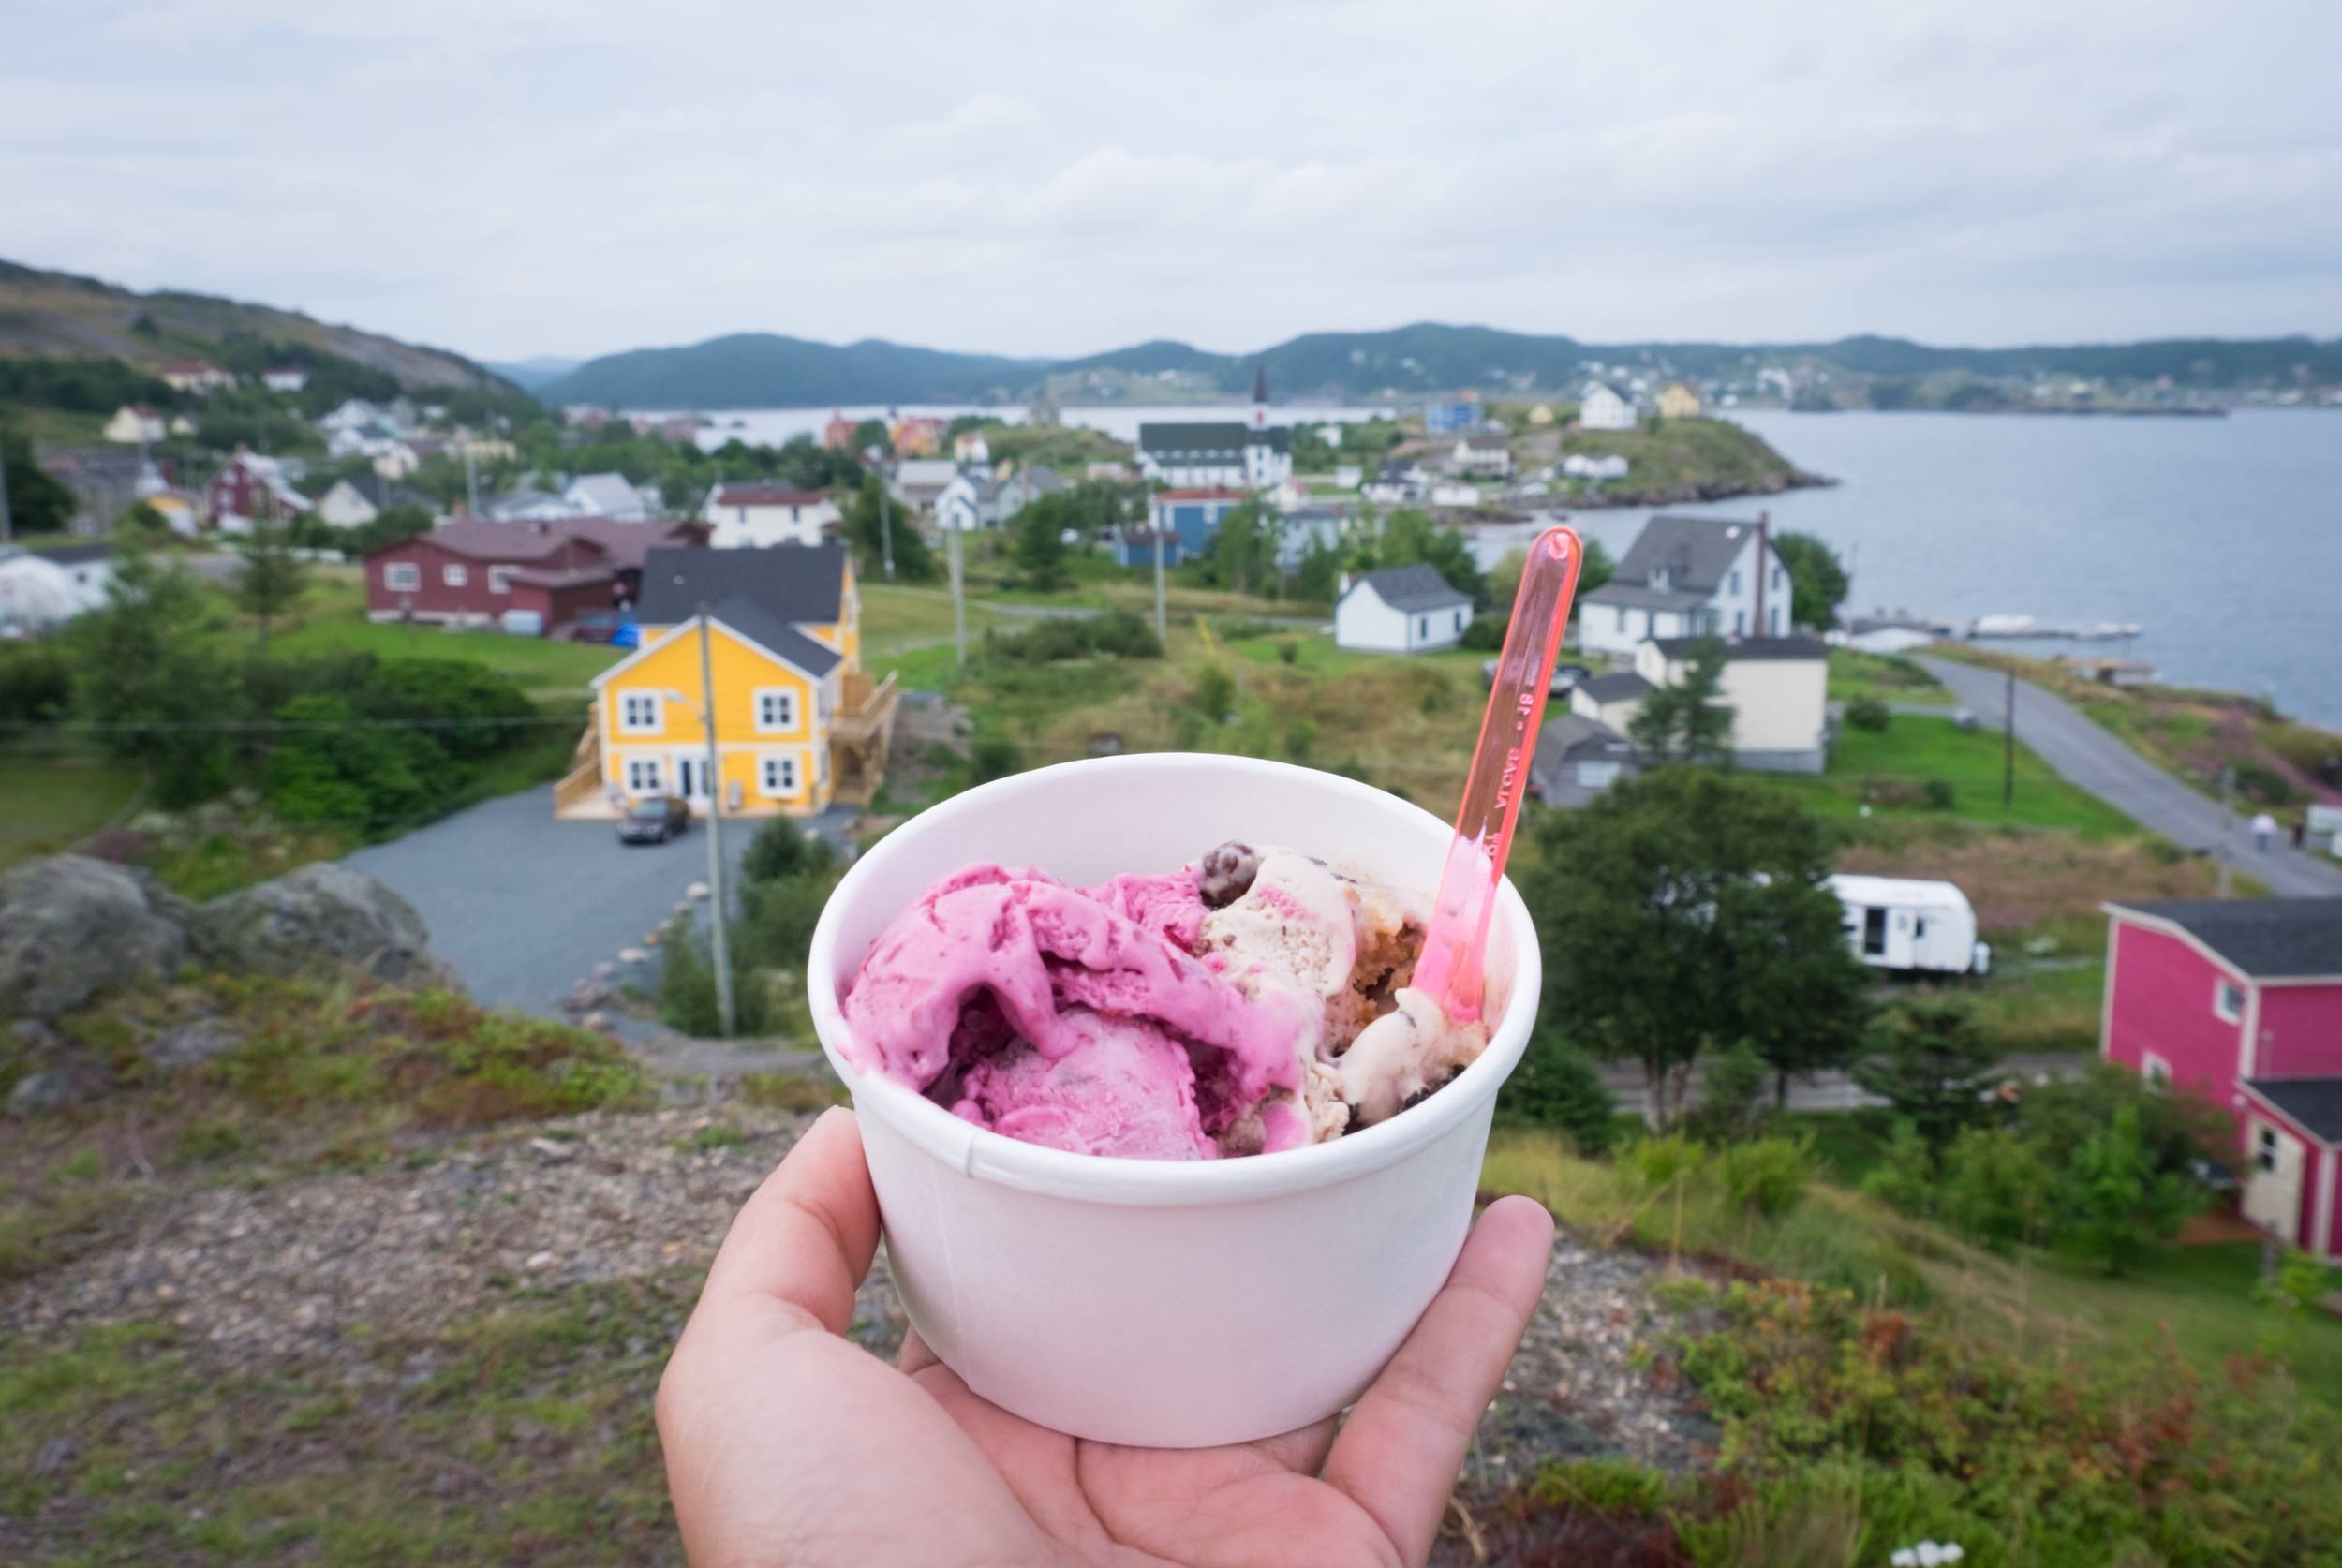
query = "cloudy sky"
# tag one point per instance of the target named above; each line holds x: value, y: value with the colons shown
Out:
x: 519, y: 177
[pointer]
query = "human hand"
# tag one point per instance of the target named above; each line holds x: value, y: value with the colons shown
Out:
x: 786, y: 1444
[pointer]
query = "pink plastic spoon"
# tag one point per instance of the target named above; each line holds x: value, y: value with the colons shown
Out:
x: 1449, y: 967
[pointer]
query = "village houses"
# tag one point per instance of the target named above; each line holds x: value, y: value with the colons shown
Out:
x: 250, y: 489
x: 478, y: 571
x: 1482, y: 452
x: 1408, y: 609
x: 797, y: 722
x: 200, y: 377
x: 135, y: 424
x: 1678, y: 401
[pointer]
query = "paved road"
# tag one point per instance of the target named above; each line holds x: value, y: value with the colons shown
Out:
x: 2085, y: 754
x: 524, y: 907
x: 1834, y: 1091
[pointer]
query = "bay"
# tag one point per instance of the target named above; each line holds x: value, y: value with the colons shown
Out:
x: 2222, y: 538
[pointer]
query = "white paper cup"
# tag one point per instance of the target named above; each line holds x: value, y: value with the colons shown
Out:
x: 1164, y: 1303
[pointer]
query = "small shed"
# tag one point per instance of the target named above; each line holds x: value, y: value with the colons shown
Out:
x: 1902, y: 922
x: 1409, y: 609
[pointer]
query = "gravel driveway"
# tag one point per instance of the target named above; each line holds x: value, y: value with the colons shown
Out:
x: 525, y: 906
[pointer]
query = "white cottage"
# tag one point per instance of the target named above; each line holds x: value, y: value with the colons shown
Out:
x: 1409, y: 609
x: 1776, y: 687
x: 752, y: 516
x: 1689, y: 577
x: 1603, y: 407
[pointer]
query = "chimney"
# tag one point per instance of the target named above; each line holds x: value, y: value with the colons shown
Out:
x: 1764, y: 542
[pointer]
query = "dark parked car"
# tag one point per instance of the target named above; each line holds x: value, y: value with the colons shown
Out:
x: 1565, y: 676
x: 654, y: 821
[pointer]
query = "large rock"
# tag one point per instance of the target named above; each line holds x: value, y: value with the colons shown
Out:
x: 319, y: 916
x: 71, y: 927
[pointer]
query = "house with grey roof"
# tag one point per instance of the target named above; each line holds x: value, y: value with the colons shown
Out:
x: 1408, y: 609
x: 1250, y: 454
x: 1689, y: 577
x: 1577, y: 758
x: 1605, y: 406
x: 605, y: 495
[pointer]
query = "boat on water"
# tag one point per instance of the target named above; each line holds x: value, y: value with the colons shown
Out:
x: 2028, y: 626
x: 2107, y: 631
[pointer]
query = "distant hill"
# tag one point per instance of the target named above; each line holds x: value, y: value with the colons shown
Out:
x: 62, y: 315
x: 762, y: 370
x: 750, y: 370
x: 532, y: 372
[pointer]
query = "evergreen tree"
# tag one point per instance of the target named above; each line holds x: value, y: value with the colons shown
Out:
x: 1557, y: 1086
x: 38, y: 503
x: 1818, y: 580
x: 866, y: 533
x: 1037, y: 544
x: 147, y: 676
x: 1242, y: 554
x: 1933, y: 1066
x: 270, y: 578
x: 1688, y: 720
x: 2114, y: 1198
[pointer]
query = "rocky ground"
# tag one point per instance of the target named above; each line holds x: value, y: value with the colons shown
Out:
x: 381, y: 1284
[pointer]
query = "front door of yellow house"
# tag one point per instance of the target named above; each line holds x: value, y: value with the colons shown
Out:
x: 2273, y: 1184
x: 691, y: 778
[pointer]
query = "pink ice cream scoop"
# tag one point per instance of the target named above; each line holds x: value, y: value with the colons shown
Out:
x: 1078, y: 1018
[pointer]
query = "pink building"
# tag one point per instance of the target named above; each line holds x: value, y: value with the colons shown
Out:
x: 2240, y: 1000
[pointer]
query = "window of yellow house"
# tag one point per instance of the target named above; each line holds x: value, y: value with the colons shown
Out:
x: 776, y: 709
x: 642, y: 776
x: 777, y: 773
x: 639, y: 713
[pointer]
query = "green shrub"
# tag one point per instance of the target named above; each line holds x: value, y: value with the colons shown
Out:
x: 332, y: 769
x: 2258, y: 781
x: 782, y: 848
x: 1995, y: 1189
x: 1289, y: 651
x: 994, y: 756
x: 1486, y: 635
x: 1732, y: 1095
x: 1602, y: 1485
x: 1905, y: 1177
x: 1661, y: 1161
x: 35, y: 685
x: 1767, y: 1177
x: 1124, y: 635
x: 1215, y: 692
x: 1868, y: 713
x: 1940, y: 795
x: 1557, y: 1086
x: 1300, y: 739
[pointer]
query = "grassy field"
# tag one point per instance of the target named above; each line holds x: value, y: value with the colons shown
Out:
x: 1890, y: 770
x: 1854, y: 676
x: 52, y: 807
x: 2026, y: 881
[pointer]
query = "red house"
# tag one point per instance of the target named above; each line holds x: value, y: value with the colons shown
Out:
x: 2240, y: 1000
x: 248, y: 489
x: 472, y: 571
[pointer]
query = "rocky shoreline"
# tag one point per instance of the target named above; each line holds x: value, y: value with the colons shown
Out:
x: 1693, y: 495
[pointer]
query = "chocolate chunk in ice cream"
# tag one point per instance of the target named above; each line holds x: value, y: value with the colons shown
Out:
x: 1226, y: 874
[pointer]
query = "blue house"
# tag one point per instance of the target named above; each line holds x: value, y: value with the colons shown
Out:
x: 1445, y: 418
x: 1136, y: 547
x: 1194, y: 515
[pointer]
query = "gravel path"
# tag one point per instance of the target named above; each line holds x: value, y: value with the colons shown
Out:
x: 309, y: 1271
x: 2087, y: 755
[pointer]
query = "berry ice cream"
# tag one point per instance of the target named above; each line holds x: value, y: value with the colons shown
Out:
x: 1252, y: 1002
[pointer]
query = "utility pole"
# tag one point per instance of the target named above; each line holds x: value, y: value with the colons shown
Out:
x: 2008, y: 744
x: 2228, y: 825
x: 471, y: 481
x: 7, y: 529
x: 886, y: 530
x: 1162, y: 623
x: 714, y: 782
x: 960, y: 603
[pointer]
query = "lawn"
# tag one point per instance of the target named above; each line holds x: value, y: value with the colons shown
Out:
x: 1891, y: 769
x: 1887, y: 679
x: 52, y: 806
x: 898, y: 618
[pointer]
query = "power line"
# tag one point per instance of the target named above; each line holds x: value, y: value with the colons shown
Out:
x: 252, y: 726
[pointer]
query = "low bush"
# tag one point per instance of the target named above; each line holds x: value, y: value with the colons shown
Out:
x: 1557, y: 1086
x: 1062, y: 639
x: 35, y: 685
x: 1486, y: 635
x: 1214, y: 692
x: 1868, y: 713
x: 1766, y: 1177
x: 1940, y: 795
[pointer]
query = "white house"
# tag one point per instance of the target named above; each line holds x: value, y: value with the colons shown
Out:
x: 1603, y: 407
x: 396, y: 460
x: 1347, y: 476
x: 135, y: 424
x: 354, y: 414
x: 602, y: 495
x: 1776, y: 687
x: 528, y: 506
x: 285, y: 378
x: 352, y: 503
x: 1188, y: 456
x: 918, y: 482
x: 200, y: 377
x: 752, y: 516
x: 1610, y: 700
x: 1607, y: 465
x: 1455, y: 492
x: 1481, y: 451
x: 1689, y: 577
x: 45, y: 588
x: 1902, y: 923
x: 969, y: 446
x: 1408, y: 609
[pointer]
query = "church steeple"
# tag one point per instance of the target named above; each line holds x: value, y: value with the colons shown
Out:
x: 1260, y: 395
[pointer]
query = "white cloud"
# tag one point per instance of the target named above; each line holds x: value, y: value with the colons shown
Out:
x: 582, y: 176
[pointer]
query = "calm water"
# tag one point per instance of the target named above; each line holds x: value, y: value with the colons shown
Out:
x: 772, y: 426
x: 2221, y: 537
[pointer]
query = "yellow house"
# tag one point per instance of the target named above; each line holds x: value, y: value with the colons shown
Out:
x: 1678, y: 401
x: 797, y: 723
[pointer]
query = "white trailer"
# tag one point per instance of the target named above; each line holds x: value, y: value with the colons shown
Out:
x: 1898, y: 923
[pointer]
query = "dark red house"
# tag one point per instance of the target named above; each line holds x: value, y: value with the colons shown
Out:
x: 2240, y: 1000
x: 471, y: 571
x: 251, y: 489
